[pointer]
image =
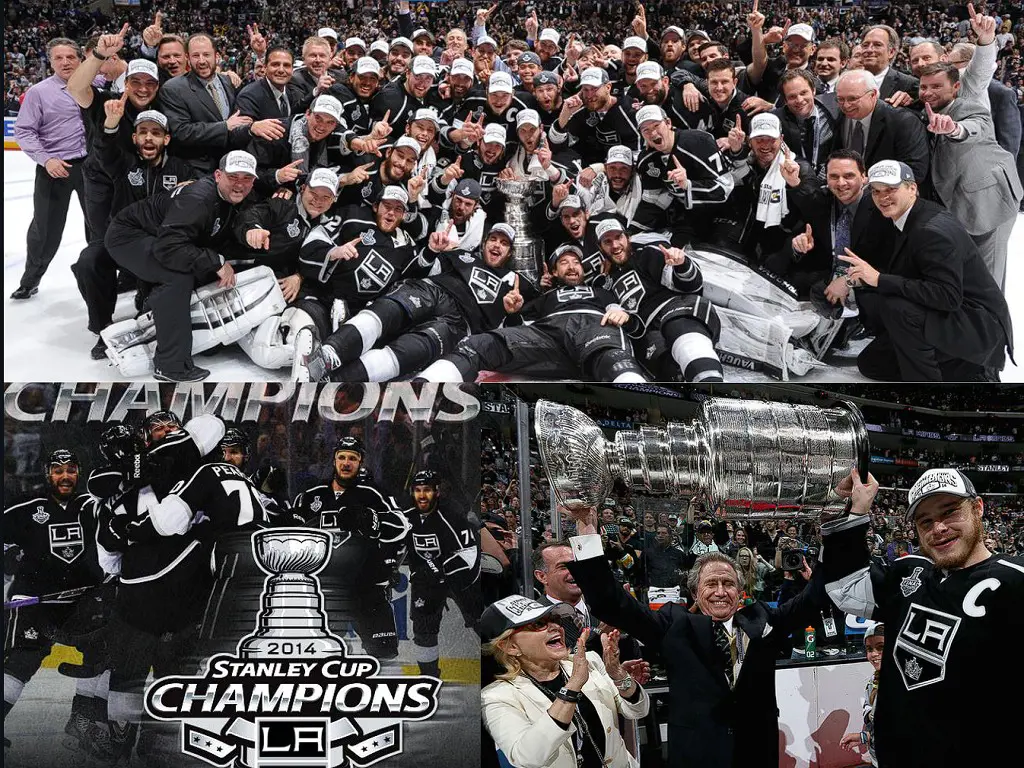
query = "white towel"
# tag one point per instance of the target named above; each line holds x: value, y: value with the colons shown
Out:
x: 772, y: 207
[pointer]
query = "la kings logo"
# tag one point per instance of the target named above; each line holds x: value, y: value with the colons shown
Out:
x: 67, y: 541
x: 630, y: 290
x: 427, y: 545
x: 297, y: 701
x: 374, y: 273
x: 923, y: 645
x: 576, y: 293
x: 484, y: 284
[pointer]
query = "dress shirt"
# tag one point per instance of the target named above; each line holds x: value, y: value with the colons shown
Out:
x: 50, y: 123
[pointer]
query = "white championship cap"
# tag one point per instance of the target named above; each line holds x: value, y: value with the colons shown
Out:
x: 504, y: 229
x: 594, y: 76
x: 426, y: 113
x: 142, y: 67
x: 367, y: 65
x: 408, y: 142
x: 802, y: 30
x: 393, y: 192
x: 673, y: 30
x: 487, y: 40
x: 495, y: 134
x: 379, y: 45
x: 462, y: 66
x: 327, y: 32
x: 355, y: 42
x: 765, y: 124
x: 935, y: 481
x: 500, y: 82
x: 619, y: 154
x: 649, y: 70
x: 649, y: 113
x: 327, y: 105
x: 238, y: 161
x: 634, y: 41
x: 892, y: 173
x: 571, y: 201
x: 152, y: 116
x: 527, y: 117
x: 424, y: 65
x: 608, y: 226
x: 325, y: 178
x: 550, y: 36
x: 405, y: 42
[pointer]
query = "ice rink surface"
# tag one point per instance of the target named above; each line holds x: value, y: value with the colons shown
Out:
x: 46, y: 338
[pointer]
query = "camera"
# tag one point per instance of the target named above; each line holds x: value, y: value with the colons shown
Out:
x: 793, y: 557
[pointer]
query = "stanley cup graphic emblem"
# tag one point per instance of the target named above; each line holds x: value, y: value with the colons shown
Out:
x: 292, y: 621
x: 747, y: 459
x: 527, y: 251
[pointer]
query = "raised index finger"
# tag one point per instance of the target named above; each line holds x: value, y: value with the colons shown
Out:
x: 124, y: 29
x: 679, y: 166
x: 971, y: 12
x: 755, y: 6
x: 387, y: 116
x: 158, y: 19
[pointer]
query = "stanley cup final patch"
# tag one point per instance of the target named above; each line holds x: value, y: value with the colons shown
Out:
x: 910, y: 584
x: 923, y: 645
x: 297, y: 699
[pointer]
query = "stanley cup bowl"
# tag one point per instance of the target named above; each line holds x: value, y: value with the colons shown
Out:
x: 292, y: 550
x: 747, y: 459
x: 527, y: 250
x: 516, y: 189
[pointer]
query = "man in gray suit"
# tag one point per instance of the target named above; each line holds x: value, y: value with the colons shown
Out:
x: 973, y: 176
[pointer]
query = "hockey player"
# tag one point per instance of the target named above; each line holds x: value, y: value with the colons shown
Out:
x: 400, y: 99
x: 48, y: 549
x: 269, y: 480
x: 953, y: 604
x: 467, y: 292
x: 369, y: 534
x: 662, y: 286
x: 578, y: 330
x: 445, y: 562
x: 594, y: 120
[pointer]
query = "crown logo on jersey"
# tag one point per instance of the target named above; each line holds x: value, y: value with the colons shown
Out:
x: 170, y: 181
x: 913, y: 669
x: 292, y: 695
x: 911, y: 583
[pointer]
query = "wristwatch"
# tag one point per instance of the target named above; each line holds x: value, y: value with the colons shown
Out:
x: 573, y: 697
x: 625, y: 683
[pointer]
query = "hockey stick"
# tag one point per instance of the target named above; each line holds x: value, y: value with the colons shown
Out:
x: 53, y: 597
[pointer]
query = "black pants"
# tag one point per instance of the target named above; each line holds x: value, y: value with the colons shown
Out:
x: 95, y: 271
x: 50, y: 200
x: 170, y: 299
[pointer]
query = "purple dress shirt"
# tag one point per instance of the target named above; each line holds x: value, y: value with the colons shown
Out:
x: 50, y: 123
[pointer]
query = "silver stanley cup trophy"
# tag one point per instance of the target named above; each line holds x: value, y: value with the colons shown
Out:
x: 292, y: 622
x: 527, y: 251
x: 748, y: 459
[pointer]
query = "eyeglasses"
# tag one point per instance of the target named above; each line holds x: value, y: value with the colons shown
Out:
x: 537, y: 626
x: 852, y: 99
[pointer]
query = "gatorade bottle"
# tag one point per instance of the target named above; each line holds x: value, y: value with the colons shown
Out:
x: 810, y: 644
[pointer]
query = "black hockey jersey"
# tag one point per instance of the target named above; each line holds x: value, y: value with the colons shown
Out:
x: 56, y: 544
x: 399, y: 102
x: 288, y: 224
x: 942, y: 628
x: 355, y: 111
x: 593, y: 133
x: 707, y: 170
x: 133, y: 178
x: 644, y: 284
x: 478, y: 289
x: 564, y: 300
x: 444, y: 548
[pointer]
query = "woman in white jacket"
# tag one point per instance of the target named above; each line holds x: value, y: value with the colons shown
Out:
x: 549, y: 710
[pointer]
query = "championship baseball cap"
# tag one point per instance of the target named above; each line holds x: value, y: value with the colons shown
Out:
x: 421, y: 32
x: 152, y: 116
x: 379, y: 46
x: 571, y: 201
x: 634, y: 41
x: 468, y: 188
x: 619, y: 154
x: 424, y: 65
x: 649, y: 70
x: 550, y: 35
x: 393, y: 192
x: 802, y: 30
x: 355, y: 42
x: 328, y: 33
x: 142, y: 67
x: 500, y: 82
x: 935, y: 481
x: 367, y: 65
x: 874, y: 629
x: 530, y: 58
x: 608, y: 226
x: 462, y: 66
x: 327, y: 105
x: 594, y: 76
x: 238, y: 161
x: 527, y: 117
x: 504, y: 229
x: 765, y: 124
x: 628, y: 522
x: 561, y: 250
x: 325, y: 178
x: 649, y: 113
x: 487, y: 40
x: 495, y: 134
x: 426, y: 113
x: 892, y: 173
x: 407, y: 142
x: 401, y: 41
x: 545, y: 78
x: 697, y: 33
x: 516, y: 611
x: 673, y: 30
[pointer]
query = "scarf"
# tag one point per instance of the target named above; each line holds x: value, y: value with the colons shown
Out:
x: 772, y: 207
x: 527, y: 165
x: 598, y: 199
x: 474, y: 234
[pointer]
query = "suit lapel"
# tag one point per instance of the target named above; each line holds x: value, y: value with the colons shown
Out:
x: 874, y: 132
x: 203, y: 96
x: 703, y: 631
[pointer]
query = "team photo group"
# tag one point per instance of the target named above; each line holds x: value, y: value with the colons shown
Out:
x: 455, y: 191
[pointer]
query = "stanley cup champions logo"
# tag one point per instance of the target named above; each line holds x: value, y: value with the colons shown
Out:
x: 292, y: 695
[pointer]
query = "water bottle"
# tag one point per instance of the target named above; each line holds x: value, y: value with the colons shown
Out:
x: 810, y: 643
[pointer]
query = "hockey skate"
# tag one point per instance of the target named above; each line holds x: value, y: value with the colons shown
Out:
x: 313, y: 361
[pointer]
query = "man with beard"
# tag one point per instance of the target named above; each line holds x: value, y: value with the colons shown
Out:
x: 48, y: 548
x: 533, y: 157
x: 680, y: 166
x: 547, y: 91
x: 355, y: 97
x: 444, y: 563
x: 146, y: 169
x: 576, y: 329
x: 368, y: 545
x: 400, y: 99
x: 400, y: 54
x: 174, y: 241
x: 615, y: 189
x: 662, y: 287
x: 269, y: 480
x: 831, y: 59
x: 311, y: 140
x: 449, y: 98
x: 949, y: 603
x: 484, y: 163
x: 652, y: 86
x: 421, y: 320
x: 808, y: 124
x: 501, y: 103
x: 673, y: 46
x: 364, y: 183
x: 268, y: 96
x: 593, y: 120
x: 456, y: 212
x: 312, y: 78
x: 567, y: 222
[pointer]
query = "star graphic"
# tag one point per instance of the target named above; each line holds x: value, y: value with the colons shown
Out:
x: 387, y: 738
x: 196, y: 738
x: 376, y: 744
x: 209, y: 743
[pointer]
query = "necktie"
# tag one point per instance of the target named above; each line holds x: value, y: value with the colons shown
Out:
x: 808, y: 138
x: 857, y: 137
x: 217, y: 101
x: 842, y: 240
x: 723, y: 643
x: 283, y: 103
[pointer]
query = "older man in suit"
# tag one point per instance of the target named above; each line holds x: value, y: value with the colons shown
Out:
x: 878, y: 50
x: 937, y: 313
x: 201, y: 114
x: 875, y: 130
x: 972, y: 175
x: 720, y: 660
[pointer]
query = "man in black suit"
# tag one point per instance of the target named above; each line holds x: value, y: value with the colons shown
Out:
x: 808, y: 124
x: 839, y: 216
x: 550, y: 568
x: 720, y: 660
x: 875, y: 130
x: 937, y: 313
x: 878, y: 50
x: 268, y: 96
x: 201, y: 114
